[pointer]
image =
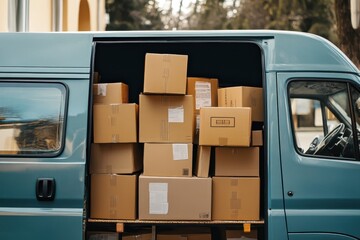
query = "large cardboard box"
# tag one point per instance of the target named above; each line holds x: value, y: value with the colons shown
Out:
x: 168, y: 159
x: 236, y: 198
x: 165, y: 73
x: 108, y: 93
x: 243, y: 97
x: 204, y: 91
x: 241, y: 235
x: 237, y: 161
x: 225, y: 126
x: 115, y: 158
x: 203, y: 161
x: 166, y: 118
x: 174, y: 198
x: 113, y: 196
x: 115, y: 123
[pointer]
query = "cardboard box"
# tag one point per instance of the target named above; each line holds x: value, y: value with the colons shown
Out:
x: 115, y: 123
x: 113, y: 196
x: 241, y: 235
x: 257, y: 138
x: 243, y: 97
x: 108, y: 93
x: 203, y: 161
x: 225, y: 126
x: 166, y: 118
x: 165, y: 73
x: 204, y: 91
x: 184, y: 236
x: 168, y: 159
x: 102, y: 236
x: 237, y: 161
x: 236, y: 198
x: 174, y: 198
x: 115, y: 158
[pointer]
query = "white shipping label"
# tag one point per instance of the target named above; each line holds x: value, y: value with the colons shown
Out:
x: 176, y: 114
x: 180, y: 151
x: 101, y: 91
x: 202, y: 94
x: 158, y: 198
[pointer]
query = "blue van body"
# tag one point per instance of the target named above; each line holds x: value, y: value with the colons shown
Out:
x: 302, y: 197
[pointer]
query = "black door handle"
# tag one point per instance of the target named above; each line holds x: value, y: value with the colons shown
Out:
x: 45, y: 189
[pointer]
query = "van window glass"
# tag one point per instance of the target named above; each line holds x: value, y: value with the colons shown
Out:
x: 321, y: 118
x: 31, y: 118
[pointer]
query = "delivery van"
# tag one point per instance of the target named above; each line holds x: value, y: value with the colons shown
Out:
x: 294, y: 174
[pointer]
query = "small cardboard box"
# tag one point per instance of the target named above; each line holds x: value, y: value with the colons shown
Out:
x: 166, y: 119
x: 225, y: 126
x: 203, y: 161
x: 241, y: 235
x: 243, y: 97
x: 165, y: 73
x: 115, y: 158
x: 204, y: 91
x: 237, y: 161
x: 257, y: 138
x: 115, y: 123
x: 168, y: 159
x: 108, y: 93
x: 174, y: 198
x: 113, y: 196
x: 236, y: 198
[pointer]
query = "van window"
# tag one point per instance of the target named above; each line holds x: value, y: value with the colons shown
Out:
x: 31, y: 118
x: 321, y: 118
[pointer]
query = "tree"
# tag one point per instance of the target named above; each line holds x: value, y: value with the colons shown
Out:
x: 213, y: 15
x: 349, y: 39
x: 133, y: 15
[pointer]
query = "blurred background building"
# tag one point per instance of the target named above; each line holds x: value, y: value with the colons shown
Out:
x: 52, y: 15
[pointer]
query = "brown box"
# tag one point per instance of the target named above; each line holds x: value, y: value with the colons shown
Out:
x: 236, y: 198
x: 257, y: 138
x: 136, y: 236
x: 113, y: 196
x: 237, y: 161
x: 243, y: 97
x: 204, y: 91
x: 174, y: 198
x: 225, y: 126
x: 102, y: 235
x: 168, y: 159
x: 241, y: 235
x: 203, y: 161
x: 115, y: 158
x: 108, y: 93
x: 166, y: 118
x: 184, y: 236
x: 115, y: 123
x: 165, y: 73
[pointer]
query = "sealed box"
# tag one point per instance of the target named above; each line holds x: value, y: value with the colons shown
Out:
x: 236, y: 198
x: 115, y: 158
x: 168, y: 159
x: 165, y: 73
x: 257, y: 138
x: 165, y: 118
x: 108, y: 93
x: 204, y: 91
x: 113, y: 196
x: 174, y: 198
x: 225, y: 126
x: 241, y: 235
x: 115, y: 123
x: 237, y: 161
x: 203, y: 161
x: 243, y: 97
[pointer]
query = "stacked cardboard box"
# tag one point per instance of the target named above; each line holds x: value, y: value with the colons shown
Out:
x: 228, y: 128
x: 115, y: 155
x: 167, y: 189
